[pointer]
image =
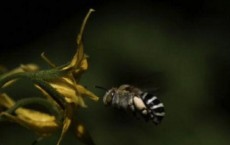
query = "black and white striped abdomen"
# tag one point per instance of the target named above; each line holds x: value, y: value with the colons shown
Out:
x: 155, y: 107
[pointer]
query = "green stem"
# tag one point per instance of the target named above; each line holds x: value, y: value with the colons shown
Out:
x: 38, y: 78
x: 44, y: 75
x: 28, y: 101
x: 51, y: 91
x: 8, y: 77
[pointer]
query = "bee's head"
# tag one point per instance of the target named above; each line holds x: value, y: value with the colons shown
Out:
x: 109, y: 95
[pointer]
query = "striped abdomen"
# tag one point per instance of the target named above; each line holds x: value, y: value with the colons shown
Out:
x: 154, y: 106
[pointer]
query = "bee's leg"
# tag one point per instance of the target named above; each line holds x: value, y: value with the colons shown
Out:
x: 37, y: 140
x: 133, y: 109
x: 136, y: 116
x: 144, y: 112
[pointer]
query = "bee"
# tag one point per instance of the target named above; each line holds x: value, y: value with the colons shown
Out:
x: 135, y: 100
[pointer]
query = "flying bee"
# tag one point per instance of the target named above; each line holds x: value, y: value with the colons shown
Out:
x: 137, y: 101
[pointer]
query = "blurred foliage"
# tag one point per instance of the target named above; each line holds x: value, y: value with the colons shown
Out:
x: 60, y: 85
x: 181, y: 48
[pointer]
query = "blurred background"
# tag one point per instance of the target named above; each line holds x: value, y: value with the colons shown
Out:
x: 178, y: 48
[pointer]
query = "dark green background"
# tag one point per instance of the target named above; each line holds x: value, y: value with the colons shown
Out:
x: 181, y: 48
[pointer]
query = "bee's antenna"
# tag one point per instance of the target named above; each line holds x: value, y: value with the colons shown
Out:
x: 102, y: 88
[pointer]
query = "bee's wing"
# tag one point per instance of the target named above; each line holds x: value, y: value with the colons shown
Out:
x: 151, y: 82
x: 145, y: 79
